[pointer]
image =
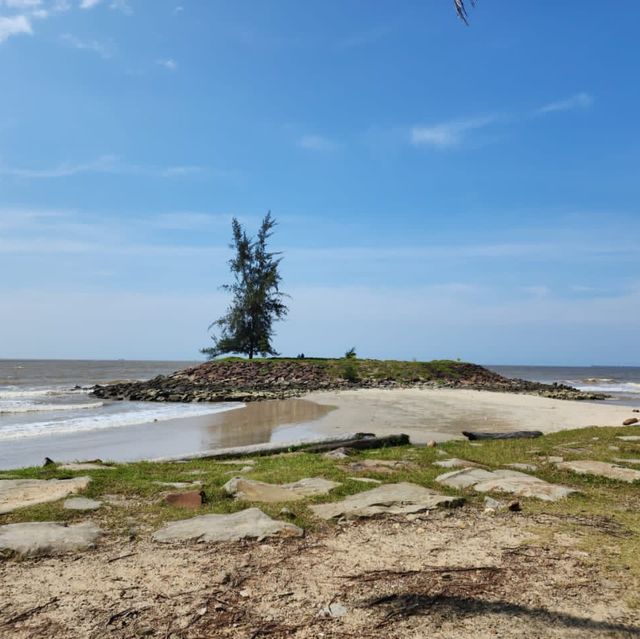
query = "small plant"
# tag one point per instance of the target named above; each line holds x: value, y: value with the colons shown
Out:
x: 351, y: 353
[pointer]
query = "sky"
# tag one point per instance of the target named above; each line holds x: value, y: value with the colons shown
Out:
x: 442, y: 190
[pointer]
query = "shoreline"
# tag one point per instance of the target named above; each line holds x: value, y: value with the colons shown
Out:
x: 424, y: 414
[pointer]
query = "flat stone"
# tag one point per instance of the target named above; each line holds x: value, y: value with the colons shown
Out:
x: 506, y: 481
x: 251, y: 523
x: 38, y: 539
x: 178, y: 484
x: 333, y: 610
x: 629, y: 438
x: 622, y: 460
x: 381, y: 466
x: 631, y: 421
x: 191, y: 500
x: 251, y: 490
x: 454, y: 462
x: 21, y: 493
x: 81, y: 466
x: 526, y: 467
x: 81, y: 503
x: 339, y: 453
x: 365, y: 480
x: 237, y: 462
x: 389, y: 499
x: 601, y: 469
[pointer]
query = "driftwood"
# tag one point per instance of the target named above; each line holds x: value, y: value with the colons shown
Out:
x: 518, y: 434
x: 361, y: 441
x: 364, y: 443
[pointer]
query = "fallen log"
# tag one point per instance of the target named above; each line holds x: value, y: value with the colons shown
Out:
x: 352, y: 440
x: 517, y: 434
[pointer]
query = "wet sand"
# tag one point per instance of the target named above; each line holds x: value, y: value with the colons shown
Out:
x: 423, y: 414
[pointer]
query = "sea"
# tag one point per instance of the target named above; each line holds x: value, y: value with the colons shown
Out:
x: 42, y: 401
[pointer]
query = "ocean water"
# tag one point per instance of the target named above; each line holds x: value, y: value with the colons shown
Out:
x: 41, y: 398
x: 621, y: 382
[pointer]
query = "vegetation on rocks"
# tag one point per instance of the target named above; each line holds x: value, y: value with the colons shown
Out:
x: 235, y: 379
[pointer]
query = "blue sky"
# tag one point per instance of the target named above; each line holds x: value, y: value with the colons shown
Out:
x: 442, y: 190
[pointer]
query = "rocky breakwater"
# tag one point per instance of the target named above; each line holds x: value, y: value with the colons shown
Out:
x: 245, y: 381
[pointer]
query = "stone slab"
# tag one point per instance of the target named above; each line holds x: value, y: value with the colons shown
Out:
x: 82, y: 466
x: 601, y: 469
x: 622, y: 460
x: 454, y: 462
x: 251, y: 523
x: 251, y: 490
x: 81, y: 503
x: 380, y: 466
x: 21, y: 493
x: 506, y: 481
x: 629, y: 438
x: 38, y: 539
x: 389, y: 499
x: 526, y: 467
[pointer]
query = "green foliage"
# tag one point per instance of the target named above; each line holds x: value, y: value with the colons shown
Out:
x: 350, y: 370
x: 351, y: 353
x: 247, y: 326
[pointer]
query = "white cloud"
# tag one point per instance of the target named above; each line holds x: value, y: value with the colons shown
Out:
x: 104, y: 50
x: 577, y: 101
x: 22, y: 5
x: 89, y: 4
x: 14, y: 25
x: 447, y: 134
x: 169, y: 64
x: 109, y: 164
x: 316, y: 143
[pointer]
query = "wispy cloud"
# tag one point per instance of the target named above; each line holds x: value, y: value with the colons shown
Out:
x: 103, y: 49
x: 109, y: 164
x: 169, y: 64
x: 89, y: 4
x: 14, y: 25
x: 448, y: 134
x: 577, y: 101
x: 316, y: 143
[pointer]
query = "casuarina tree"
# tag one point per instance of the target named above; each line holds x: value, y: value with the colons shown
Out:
x: 247, y: 326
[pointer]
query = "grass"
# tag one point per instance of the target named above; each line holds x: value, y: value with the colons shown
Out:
x: 604, y: 516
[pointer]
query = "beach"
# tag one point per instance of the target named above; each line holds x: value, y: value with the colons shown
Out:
x: 423, y: 414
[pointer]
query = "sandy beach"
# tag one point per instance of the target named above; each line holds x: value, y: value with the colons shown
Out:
x: 423, y: 414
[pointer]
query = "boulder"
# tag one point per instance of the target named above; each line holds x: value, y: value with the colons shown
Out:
x: 81, y: 503
x: 506, y: 481
x: 631, y: 421
x: 20, y: 493
x: 454, y: 462
x: 38, y: 539
x: 246, y: 524
x: 392, y: 499
x: 601, y: 469
x: 191, y: 500
x: 251, y: 490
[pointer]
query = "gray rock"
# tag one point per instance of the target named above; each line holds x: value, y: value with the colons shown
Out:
x: 365, y: 480
x: 393, y: 499
x: 333, y: 611
x: 526, y: 467
x: 601, y: 469
x: 179, y: 484
x: 338, y: 453
x: 251, y: 523
x: 454, y: 462
x: 81, y: 503
x: 506, y: 481
x: 622, y: 460
x: 381, y: 466
x: 629, y: 438
x: 38, y: 539
x: 493, y: 504
x: 81, y: 466
x: 252, y: 490
x: 20, y: 493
